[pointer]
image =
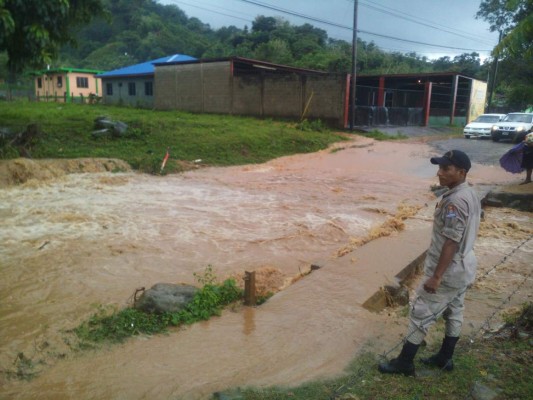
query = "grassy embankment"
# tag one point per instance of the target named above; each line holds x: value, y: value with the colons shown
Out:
x: 498, y: 364
x: 214, y: 139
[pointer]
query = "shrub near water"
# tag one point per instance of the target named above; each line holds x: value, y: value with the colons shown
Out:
x: 119, y: 325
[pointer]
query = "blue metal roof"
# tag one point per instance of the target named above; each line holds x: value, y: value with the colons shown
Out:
x: 145, y: 68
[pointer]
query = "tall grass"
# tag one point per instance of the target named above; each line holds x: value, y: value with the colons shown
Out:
x: 214, y: 139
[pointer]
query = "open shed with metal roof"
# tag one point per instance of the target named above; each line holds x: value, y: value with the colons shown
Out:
x: 243, y: 86
x: 426, y: 99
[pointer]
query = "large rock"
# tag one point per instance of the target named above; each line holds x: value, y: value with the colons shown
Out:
x: 107, y: 126
x: 166, y: 297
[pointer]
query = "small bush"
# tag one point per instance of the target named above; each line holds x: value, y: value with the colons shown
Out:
x: 115, y: 326
x: 315, y: 125
x: 149, y: 163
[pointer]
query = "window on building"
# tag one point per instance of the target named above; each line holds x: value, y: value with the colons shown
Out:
x: 109, y: 89
x: 131, y: 89
x: 40, y: 83
x: 148, y: 88
x: 82, y: 82
x: 59, y: 81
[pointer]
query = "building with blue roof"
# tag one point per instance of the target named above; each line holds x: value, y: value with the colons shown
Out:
x: 134, y: 85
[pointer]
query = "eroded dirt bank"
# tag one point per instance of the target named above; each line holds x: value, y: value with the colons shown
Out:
x: 37, y: 172
x: 85, y: 239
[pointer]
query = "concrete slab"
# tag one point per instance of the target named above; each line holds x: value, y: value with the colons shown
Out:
x: 385, y: 261
x: 519, y: 197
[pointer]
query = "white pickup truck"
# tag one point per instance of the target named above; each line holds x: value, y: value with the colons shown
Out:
x: 512, y: 126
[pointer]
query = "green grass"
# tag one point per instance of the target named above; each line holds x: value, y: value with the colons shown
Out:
x: 215, y: 139
x: 376, y: 134
x: 456, y: 131
x: 116, y: 326
x: 509, y: 374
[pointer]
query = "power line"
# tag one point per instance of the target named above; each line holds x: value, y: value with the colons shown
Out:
x: 415, y: 19
x: 330, y: 23
x: 322, y: 21
x: 213, y: 11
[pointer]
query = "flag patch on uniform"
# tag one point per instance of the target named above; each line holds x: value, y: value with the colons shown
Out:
x: 451, y: 211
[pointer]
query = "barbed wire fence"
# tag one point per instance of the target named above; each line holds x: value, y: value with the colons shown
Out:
x: 358, y: 375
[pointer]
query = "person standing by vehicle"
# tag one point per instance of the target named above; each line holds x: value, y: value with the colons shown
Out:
x: 527, y: 157
x: 449, y: 267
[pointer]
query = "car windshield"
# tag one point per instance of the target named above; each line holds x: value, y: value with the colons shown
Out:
x: 528, y: 118
x: 487, y: 118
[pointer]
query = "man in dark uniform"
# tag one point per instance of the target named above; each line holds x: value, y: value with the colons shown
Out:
x: 449, y: 267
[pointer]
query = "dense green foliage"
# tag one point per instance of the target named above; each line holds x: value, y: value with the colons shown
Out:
x: 32, y: 31
x: 119, y: 325
x: 514, y: 20
x: 214, y: 139
x: 142, y: 30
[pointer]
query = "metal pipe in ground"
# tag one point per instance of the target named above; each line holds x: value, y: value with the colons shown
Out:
x: 250, y: 298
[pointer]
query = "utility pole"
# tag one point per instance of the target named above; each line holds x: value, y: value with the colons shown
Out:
x: 493, y: 81
x: 354, y: 62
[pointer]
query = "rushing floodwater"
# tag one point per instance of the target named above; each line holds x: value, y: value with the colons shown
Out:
x: 90, y: 239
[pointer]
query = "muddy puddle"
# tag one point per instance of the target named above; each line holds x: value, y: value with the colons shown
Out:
x: 76, y: 241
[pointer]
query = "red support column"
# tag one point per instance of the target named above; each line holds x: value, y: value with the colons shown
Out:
x: 381, y: 92
x: 427, y: 103
x: 347, y: 100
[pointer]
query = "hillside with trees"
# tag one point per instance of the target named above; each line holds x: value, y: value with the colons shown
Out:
x: 138, y: 30
x: 133, y: 31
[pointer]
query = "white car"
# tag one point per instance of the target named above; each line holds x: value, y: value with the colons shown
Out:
x: 513, y: 127
x: 482, y: 125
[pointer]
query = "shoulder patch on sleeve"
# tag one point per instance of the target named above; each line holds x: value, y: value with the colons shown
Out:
x: 451, y: 211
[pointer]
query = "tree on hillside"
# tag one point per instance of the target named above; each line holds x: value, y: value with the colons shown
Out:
x: 138, y: 31
x: 467, y: 63
x: 32, y: 31
x: 276, y: 51
x: 514, y: 20
x: 142, y: 30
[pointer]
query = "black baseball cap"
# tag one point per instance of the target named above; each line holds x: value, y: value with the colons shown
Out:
x: 453, y: 157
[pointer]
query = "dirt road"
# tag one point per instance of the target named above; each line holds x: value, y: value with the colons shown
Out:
x: 78, y: 240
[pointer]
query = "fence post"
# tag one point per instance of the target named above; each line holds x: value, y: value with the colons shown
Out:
x: 249, y: 289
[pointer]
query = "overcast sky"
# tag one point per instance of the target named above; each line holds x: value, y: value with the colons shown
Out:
x: 433, y: 28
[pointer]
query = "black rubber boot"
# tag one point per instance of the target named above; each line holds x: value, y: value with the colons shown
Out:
x: 403, y: 364
x: 443, y: 359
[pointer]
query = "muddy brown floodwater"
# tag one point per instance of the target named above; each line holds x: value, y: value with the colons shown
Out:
x: 77, y: 241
